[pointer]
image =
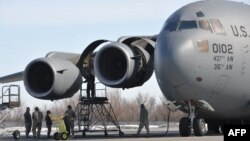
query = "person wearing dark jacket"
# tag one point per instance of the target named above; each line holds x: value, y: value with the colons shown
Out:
x: 90, y: 86
x: 27, y: 121
x: 143, y: 120
x: 69, y: 120
x: 37, y: 117
x: 48, y: 123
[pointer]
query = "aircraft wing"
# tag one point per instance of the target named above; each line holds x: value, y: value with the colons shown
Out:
x: 125, y: 63
x: 12, y: 78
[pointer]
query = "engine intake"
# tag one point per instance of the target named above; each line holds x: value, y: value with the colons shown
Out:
x: 122, y: 66
x: 50, y: 78
x: 43, y: 82
x: 113, y: 63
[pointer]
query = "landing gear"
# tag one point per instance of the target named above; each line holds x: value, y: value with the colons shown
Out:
x: 191, y: 122
x: 185, y: 127
x: 199, y: 127
x: 213, y: 127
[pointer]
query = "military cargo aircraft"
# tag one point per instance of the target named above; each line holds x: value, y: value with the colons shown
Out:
x: 200, y: 58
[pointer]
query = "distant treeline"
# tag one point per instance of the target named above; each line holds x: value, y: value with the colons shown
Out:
x: 125, y: 109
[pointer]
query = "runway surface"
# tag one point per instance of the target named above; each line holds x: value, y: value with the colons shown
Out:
x: 155, y: 135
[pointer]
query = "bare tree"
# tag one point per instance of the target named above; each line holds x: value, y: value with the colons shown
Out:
x: 60, y: 106
x: 116, y: 102
x: 141, y: 99
x: 151, y: 104
x: 16, y: 114
x: 124, y: 109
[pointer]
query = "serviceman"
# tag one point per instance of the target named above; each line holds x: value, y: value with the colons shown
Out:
x: 27, y: 121
x: 143, y: 120
x: 69, y: 120
x: 90, y: 86
x: 48, y: 123
x: 37, y: 117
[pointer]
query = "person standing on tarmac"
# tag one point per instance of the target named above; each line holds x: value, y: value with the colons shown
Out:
x: 143, y: 120
x: 37, y: 117
x: 69, y: 120
x: 27, y: 121
x: 48, y: 123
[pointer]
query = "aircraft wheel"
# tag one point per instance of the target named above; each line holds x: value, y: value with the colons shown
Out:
x: 57, y: 136
x: 213, y: 127
x: 199, y: 126
x: 184, y: 127
x: 64, y: 136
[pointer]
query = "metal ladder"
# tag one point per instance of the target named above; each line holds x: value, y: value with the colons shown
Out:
x: 9, y: 99
x: 95, y: 111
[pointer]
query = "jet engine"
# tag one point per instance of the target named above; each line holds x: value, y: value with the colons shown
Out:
x: 51, y: 78
x: 122, y: 66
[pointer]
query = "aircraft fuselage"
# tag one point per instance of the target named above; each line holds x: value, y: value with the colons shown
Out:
x: 202, y: 54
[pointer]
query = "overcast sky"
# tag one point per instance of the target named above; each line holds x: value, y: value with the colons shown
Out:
x: 31, y: 28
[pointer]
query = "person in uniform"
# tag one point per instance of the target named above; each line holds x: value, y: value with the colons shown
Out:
x: 27, y: 121
x: 90, y: 86
x: 37, y: 117
x: 69, y: 120
x: 143, y: 120
x: 48, y: 123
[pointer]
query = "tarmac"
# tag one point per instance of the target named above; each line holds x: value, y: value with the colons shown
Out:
x: 129, y: 135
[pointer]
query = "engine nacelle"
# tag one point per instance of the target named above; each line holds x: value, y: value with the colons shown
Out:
x: 121, y: 66
x: 50, y: 78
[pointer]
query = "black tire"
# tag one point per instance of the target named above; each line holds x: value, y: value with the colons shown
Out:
x: 184, y: 127
x: 64, y: 136
x: 199, y: 126
x: 16, y: 134
x: 213, y: 127
x: 57, y: 136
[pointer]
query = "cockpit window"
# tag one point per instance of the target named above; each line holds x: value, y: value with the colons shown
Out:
x: 217, y: 26
x: 213, y: 25
x: 180, y: 25
x: 187, y: 25
x: 204, y: 24
x: 171, y: 26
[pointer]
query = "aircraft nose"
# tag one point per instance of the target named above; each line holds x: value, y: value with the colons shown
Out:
x: 174, y: 57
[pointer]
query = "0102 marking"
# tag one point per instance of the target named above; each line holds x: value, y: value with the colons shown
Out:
x: 222, y: 48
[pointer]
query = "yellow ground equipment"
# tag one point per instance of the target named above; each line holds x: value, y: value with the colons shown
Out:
x: 61, y: 129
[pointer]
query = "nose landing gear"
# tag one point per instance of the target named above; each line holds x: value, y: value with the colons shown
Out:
x: 191, y: 122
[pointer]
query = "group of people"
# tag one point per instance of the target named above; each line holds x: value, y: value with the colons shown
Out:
x: 35, y: 121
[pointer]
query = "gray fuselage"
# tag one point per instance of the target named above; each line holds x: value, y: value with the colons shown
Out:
x: 203, y: 53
